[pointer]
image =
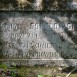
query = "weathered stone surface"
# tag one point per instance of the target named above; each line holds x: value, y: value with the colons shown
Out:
x: 37, y: 35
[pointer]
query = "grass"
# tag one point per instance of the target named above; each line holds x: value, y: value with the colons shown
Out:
x: 44, y: 71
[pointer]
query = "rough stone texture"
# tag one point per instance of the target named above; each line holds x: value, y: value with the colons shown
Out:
x: 38, y: 35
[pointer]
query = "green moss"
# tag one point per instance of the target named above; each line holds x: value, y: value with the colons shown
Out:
x: 73, y: 75
x: 35, y: 71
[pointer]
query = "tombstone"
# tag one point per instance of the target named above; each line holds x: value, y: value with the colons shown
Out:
x: 40, y: 36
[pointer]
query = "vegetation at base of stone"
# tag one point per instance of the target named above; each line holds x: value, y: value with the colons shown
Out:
x: 34, y: 71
